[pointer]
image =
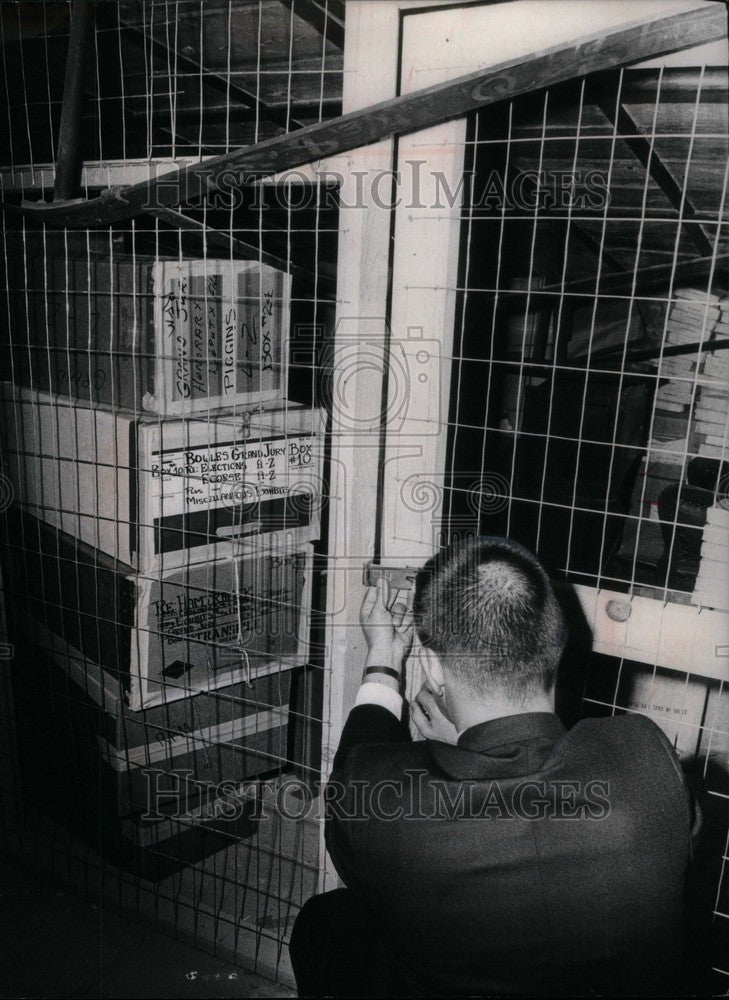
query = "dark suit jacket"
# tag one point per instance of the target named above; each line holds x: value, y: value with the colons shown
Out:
x: 524, y: 860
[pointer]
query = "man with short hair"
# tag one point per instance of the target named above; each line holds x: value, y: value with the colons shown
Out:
x: 500, y: 855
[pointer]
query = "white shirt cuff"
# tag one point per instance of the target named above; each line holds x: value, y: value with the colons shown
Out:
x: 372, y: 693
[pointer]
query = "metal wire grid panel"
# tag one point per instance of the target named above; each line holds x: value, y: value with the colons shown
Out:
x: 164, y: 81
x: 164, y: 474
x: 590, y: 394
x: 169, y: 84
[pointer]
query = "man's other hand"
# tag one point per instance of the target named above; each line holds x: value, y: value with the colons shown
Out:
x: 387, y: 626
x: 429, y: 718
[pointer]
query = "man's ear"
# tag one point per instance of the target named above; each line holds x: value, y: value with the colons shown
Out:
x: 433, y: 671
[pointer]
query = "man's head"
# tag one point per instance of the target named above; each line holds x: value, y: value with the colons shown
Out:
x: 487, y: 609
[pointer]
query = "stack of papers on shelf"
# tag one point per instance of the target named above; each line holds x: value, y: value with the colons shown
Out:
x: 712, y: 583
x: 691, y: 320
x: 671, y: 438
x: 711, y: 414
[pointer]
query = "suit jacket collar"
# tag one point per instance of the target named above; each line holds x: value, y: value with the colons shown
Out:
x: 511, y: 746
x: 511, y: 729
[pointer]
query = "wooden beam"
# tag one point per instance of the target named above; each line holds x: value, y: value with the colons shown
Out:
x: 220, y: 113
x: 220, y: 82
x: 588, y: 240
x: 326, y: 17
x: 644, y: 150
x: 661, y: 275
x: 678, y: 86
x: 101, y: 174
x: 363, y: 249
x: 610, y: 355
x: 642, y: 279
x: 421, y: 109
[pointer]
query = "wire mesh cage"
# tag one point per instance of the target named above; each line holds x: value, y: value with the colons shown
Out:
x: 166, y: 438
x: 589, y: 410
x: 164, y: 468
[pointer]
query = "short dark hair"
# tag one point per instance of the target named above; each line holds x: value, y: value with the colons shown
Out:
x: 487, y: 608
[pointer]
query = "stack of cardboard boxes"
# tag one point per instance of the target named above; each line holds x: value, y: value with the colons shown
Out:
x: 170, y: 337
x: 166, y: 501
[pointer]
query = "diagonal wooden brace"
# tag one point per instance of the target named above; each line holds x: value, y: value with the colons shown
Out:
x: 400, y: 115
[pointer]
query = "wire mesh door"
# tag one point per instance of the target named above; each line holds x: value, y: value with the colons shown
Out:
x: 589, y: 398
x: 164, y: 471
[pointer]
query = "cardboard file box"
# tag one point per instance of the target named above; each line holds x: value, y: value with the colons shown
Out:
x: 166, y: 336
x: 179, y: 752
x: 154, y: 850
x: 162, y: 493
x: 64, y: 777
x: 164, y: 636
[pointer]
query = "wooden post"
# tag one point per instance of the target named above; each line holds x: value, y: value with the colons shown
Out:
x: 68, y: 162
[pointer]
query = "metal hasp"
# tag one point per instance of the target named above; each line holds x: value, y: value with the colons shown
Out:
x: 399, y: 577
x: 68, y: 161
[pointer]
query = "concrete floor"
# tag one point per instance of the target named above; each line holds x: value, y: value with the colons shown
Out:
x: 54, y: 945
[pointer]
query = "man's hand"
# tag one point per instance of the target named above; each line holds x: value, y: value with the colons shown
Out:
x: 429, y: 718
x: 387, y: 630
